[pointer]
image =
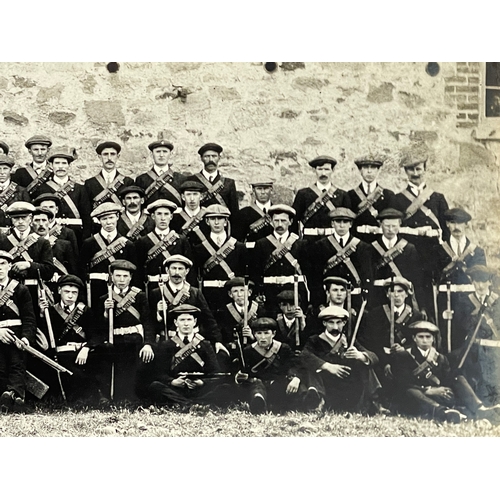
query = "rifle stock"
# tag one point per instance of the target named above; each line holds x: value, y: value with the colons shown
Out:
x: 296, y: 304
x: 42, y: 357
x: 358, y: 322
x: 110, y: 336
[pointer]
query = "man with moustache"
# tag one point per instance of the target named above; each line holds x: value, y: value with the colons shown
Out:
x: 161, y: 181
x: 104, y: 186
x: 38, y: 171
x: 134, y: 222
x: 220, y: 189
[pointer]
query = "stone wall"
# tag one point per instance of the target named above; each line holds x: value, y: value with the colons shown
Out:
x: 268, y: 123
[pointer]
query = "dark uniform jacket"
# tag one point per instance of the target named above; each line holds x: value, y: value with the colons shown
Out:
x: 58, y: 231
x: 193, y: 228
x: 278, y: 362
x: 12, y: 193
x: 230, y: 320
x: 251, y: 224
x: 132, y: 231
x: 166, y: 188
x: 65, y: 260
x: 24, y: 176
x: 96, y: 185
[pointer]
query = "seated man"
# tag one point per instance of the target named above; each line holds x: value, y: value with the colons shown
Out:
x: 426, y: 386
x: 171, y: 378
x: 339, y: 374
x: 291, y: 321
x: 271, y: 373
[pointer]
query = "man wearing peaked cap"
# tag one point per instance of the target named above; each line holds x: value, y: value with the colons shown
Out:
x: 105, y: 209
x: 253, y: 222
x: 10, y: 192
x: 105, y: 185
x: 37, y: 172
x: 185, y: 309
x: 313, y: 203
x: 134, y: 222
x: 426, y: 385
x: 219, y: 257
x: 4, y: 147
x: 133, y: 332
x: 220, y: 189
x: 159, y: 243
x: 161, y: 181
x: 74, y: 210
x: 369, y: 198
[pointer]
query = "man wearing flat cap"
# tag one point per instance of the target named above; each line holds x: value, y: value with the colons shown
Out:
x: 104, y: 186
x: 103, y: 248
x: 188, y: 221
x: 160, y: 243
x: 369, y: 198
x: 161, y: 181
x: 219, y: 257
x: 312, y: 204
x: 133, y: 328
x: 427, y: 387
x: 74, y: 207
x: 134, y: 222
x: 38, y: 171
x: 9, y: 190
x: 220, y: 189
x: 253, y: 222
x: 338, y: 373
x: 290, y: 321
x: 277, y: 258
x: 340, y: 254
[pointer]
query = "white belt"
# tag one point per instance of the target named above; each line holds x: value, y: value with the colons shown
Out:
x: 69, y: 347
x: 457, y: 288
x: 420, y: 231
x: 31, y: 281
x: 156, y: 278
x: 70, y: 222
x: 281, y: 280
x: 366, y: 229
x: 379, y: 282
x: 128, y: 330
x: 55, y: 277
x: 250, y: 244
x: 99, y: 276
x: 317, y: 231
x: 355, y: 291
x: 214, y: 283
x: 10, y: 322
x: 488, y: 342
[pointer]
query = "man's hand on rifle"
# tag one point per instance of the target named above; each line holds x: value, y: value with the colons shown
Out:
x: 81, y: 359
x: 146, y: 354
x: 353, y: 353
x: 388, y: 371
x: 43, y: 304
x: 220, y: 347
x: 339, y: 371
x: 247, y: 332
x: 443, y: 392
x: 293, y: 385
x: 21, y: 266
x: 298, y: 313
x: 7, y: 336
x: 182, y: 381
x: 397, y: 348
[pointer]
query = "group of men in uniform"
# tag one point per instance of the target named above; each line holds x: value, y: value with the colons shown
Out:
x: 161, y: 288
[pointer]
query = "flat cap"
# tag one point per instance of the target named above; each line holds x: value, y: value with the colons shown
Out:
x: 457, y: 215
x: 6, y: 255
x: 160, y: 144
x: 237, y: 281
x: 390, y: 213
x: 286, y: 296
x: 337, y: 280
x: 262, y: 324
x: 67, y: 153
x: 19, y: 208
x: 321, y: 160
x: 38, y: 139
x: 178, y: 258
x: 122, y: 265
x: 217, y: 210
x: 192, y: 186
x: 44, y: 211
x: 185, y: 309
x: 131, y: 189
x: 108, y: 144
x: 71, y: 279
x: 281, y: 208
x: 262, y: 181
x: 367, y: 160
x: 333, y: 312
x: 47, y: 197
x: 342, y: 213
x: 423, y: 326
x: 210, y: 146
x: 161, y: 203
x: 106, y: 208
x: 412, y: 159
x: 6, y: 160
x: 4, y: 147
x: 481, y: 273
x: 399, y: 280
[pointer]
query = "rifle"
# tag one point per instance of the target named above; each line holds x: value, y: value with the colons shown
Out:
x: 358, y: 322
x: 296, y: 304
x: 42, y: 357
x: 448, y: 314
x: 52, y: 340
x: 110, y: 336
x: 391, y: 334
x: 161, y: 284
x: 435, y: 289
x: 349, y: 310
x: 194, y: 375
x: 89, y: 291
x: 474, y: 334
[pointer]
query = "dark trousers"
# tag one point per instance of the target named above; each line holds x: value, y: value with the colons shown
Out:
x: 274, y: 392
x: 12, y: 369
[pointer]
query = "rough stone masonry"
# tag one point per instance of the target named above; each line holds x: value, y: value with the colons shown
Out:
x: 268, y: 123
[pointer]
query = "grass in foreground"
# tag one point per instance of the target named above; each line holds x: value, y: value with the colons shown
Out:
x: 204, y: 422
